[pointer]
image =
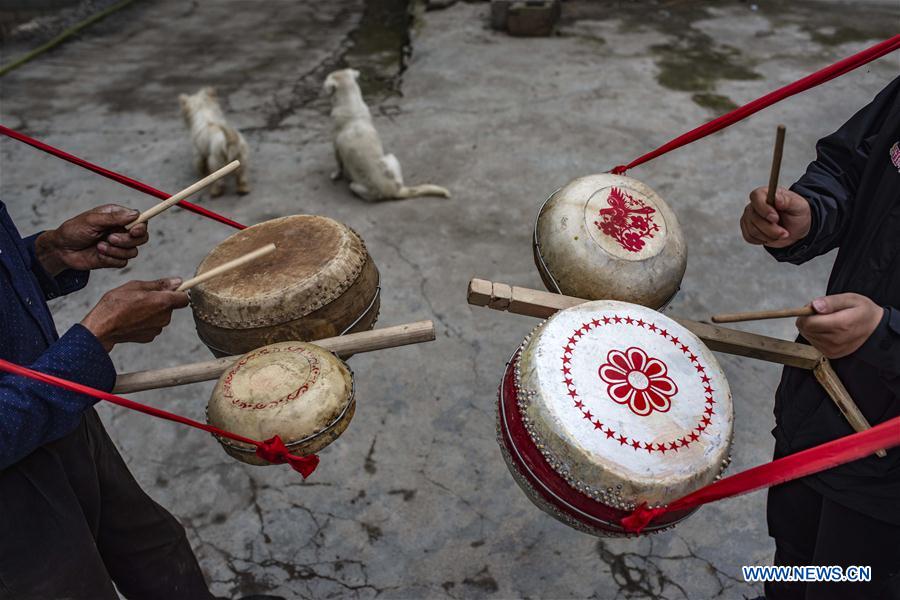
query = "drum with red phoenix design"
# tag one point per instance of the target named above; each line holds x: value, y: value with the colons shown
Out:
x: 610, y: 237
x: 608, y: 405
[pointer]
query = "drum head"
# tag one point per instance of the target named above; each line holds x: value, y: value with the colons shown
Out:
x: 610, y: 237
x: 316, y: 260
x: 298, y: 391
x: 623, y: 404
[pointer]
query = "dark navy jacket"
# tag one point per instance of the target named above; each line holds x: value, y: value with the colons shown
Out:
x: 34, y: 413
x: 853, y: 188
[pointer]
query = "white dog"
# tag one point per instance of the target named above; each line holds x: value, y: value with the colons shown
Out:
x: 216, y: 143
x: 373, y: 174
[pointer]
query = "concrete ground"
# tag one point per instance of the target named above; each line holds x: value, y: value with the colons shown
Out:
x: 414, y: 500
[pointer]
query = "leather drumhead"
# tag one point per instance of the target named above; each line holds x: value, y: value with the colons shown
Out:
x: 316, y: 260
x: 610, y: 237
x: 625, y: 404
x: 298, y: 391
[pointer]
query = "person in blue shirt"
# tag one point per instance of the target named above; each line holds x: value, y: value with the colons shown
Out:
x: 73, y: 521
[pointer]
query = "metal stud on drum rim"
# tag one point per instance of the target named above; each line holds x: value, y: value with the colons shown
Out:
x: 609, y: 237
x: 585, y: 424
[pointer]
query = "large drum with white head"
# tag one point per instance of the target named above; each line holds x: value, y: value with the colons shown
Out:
x: 609, y: 405
x: 610, y: 237
x: 300, y: 392
x: 320, y: 282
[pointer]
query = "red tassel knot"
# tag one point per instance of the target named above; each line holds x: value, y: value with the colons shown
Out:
x: 640, y: 517
x: 274, y: 451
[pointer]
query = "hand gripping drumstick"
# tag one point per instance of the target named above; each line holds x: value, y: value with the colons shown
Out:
x: 759, y: 315
x: 225, y: 267
x: 537, y: 303
x: 776, y: 165
x: 188, y: 191
x: 351, y: 343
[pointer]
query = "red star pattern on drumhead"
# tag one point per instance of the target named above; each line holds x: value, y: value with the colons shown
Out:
x: 619, y: 436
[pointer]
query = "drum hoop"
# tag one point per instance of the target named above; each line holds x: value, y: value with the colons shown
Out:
x: 522, y: 464
x: 368, y: 309
x: 351, y: 400
x: 537, y: 244
x: 363, y: 314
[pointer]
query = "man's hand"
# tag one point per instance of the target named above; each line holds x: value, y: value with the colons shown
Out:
x: 96, y: 239
x: 135, y: 312
x: 844, y: 322
x: 779, y: 226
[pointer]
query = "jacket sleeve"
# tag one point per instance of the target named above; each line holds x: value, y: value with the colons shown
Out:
x: 882, y: 349
x: 65, y: 283
x: 33, y: 413
x: 831, y: 181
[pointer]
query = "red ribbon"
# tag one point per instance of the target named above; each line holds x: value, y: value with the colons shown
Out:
x: 742, y: 112
x: 127, y: 181
x: 272, y: 450
x: 800, y: 464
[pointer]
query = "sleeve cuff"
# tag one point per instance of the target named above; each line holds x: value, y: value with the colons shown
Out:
x: 882, y: 349
x: 85, y: 359
x: 65, y: 283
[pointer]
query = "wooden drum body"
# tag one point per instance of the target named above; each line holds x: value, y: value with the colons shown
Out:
x: 297, y: 391
x: 610, y: 237
x: 320, y: 282
x: 608, y: 405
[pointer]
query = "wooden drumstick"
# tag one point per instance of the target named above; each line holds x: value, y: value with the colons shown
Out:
x: 351, y: 343
x: 776, y: 165
x: 225, y: 267
x: 537, y: 303
x: 759, y: 315
x: 188, y: 191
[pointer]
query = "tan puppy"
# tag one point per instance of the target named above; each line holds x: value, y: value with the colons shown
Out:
x: 373, y: 174
x: 216, y: 143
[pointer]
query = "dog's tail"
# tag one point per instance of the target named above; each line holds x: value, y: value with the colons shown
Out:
x: 425, y: 189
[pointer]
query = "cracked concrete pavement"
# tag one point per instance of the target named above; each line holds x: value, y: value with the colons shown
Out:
x: 414, y: 500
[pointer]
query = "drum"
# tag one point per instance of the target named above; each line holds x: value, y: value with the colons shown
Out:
x: 608, y: 405
x: 320, y: 282
x: 297, y: 391
x: 610, y: 237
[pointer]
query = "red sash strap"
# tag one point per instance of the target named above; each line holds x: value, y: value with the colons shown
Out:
x: 800, y: 464
x: 127, y: 181
x: 272, y: 450
x: 742, y: 112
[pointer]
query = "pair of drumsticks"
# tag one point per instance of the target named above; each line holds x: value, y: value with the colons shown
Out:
x: 188, y: 191
x: 758, y: 315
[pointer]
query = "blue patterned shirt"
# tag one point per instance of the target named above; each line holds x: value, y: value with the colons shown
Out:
x: 34, y: 413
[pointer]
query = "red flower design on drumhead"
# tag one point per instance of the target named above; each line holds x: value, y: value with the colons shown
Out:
x: 639, y: 381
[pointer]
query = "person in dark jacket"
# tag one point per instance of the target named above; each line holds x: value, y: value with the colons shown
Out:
x: 72, y: 518
x: 849, y: 198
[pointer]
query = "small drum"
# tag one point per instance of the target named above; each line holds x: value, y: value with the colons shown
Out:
x: 320, y: 282
x: 608, y: 405
x: 297, y: 391
x: 610, y: 237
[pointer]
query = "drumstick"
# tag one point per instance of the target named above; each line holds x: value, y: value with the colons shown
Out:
x: 541, y: 304
x: 537, y: 303
x: 351, y: 343
x: 225, y: 267
x: 188, y: 191
x: 776, y: 165
x: 759, y: 315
